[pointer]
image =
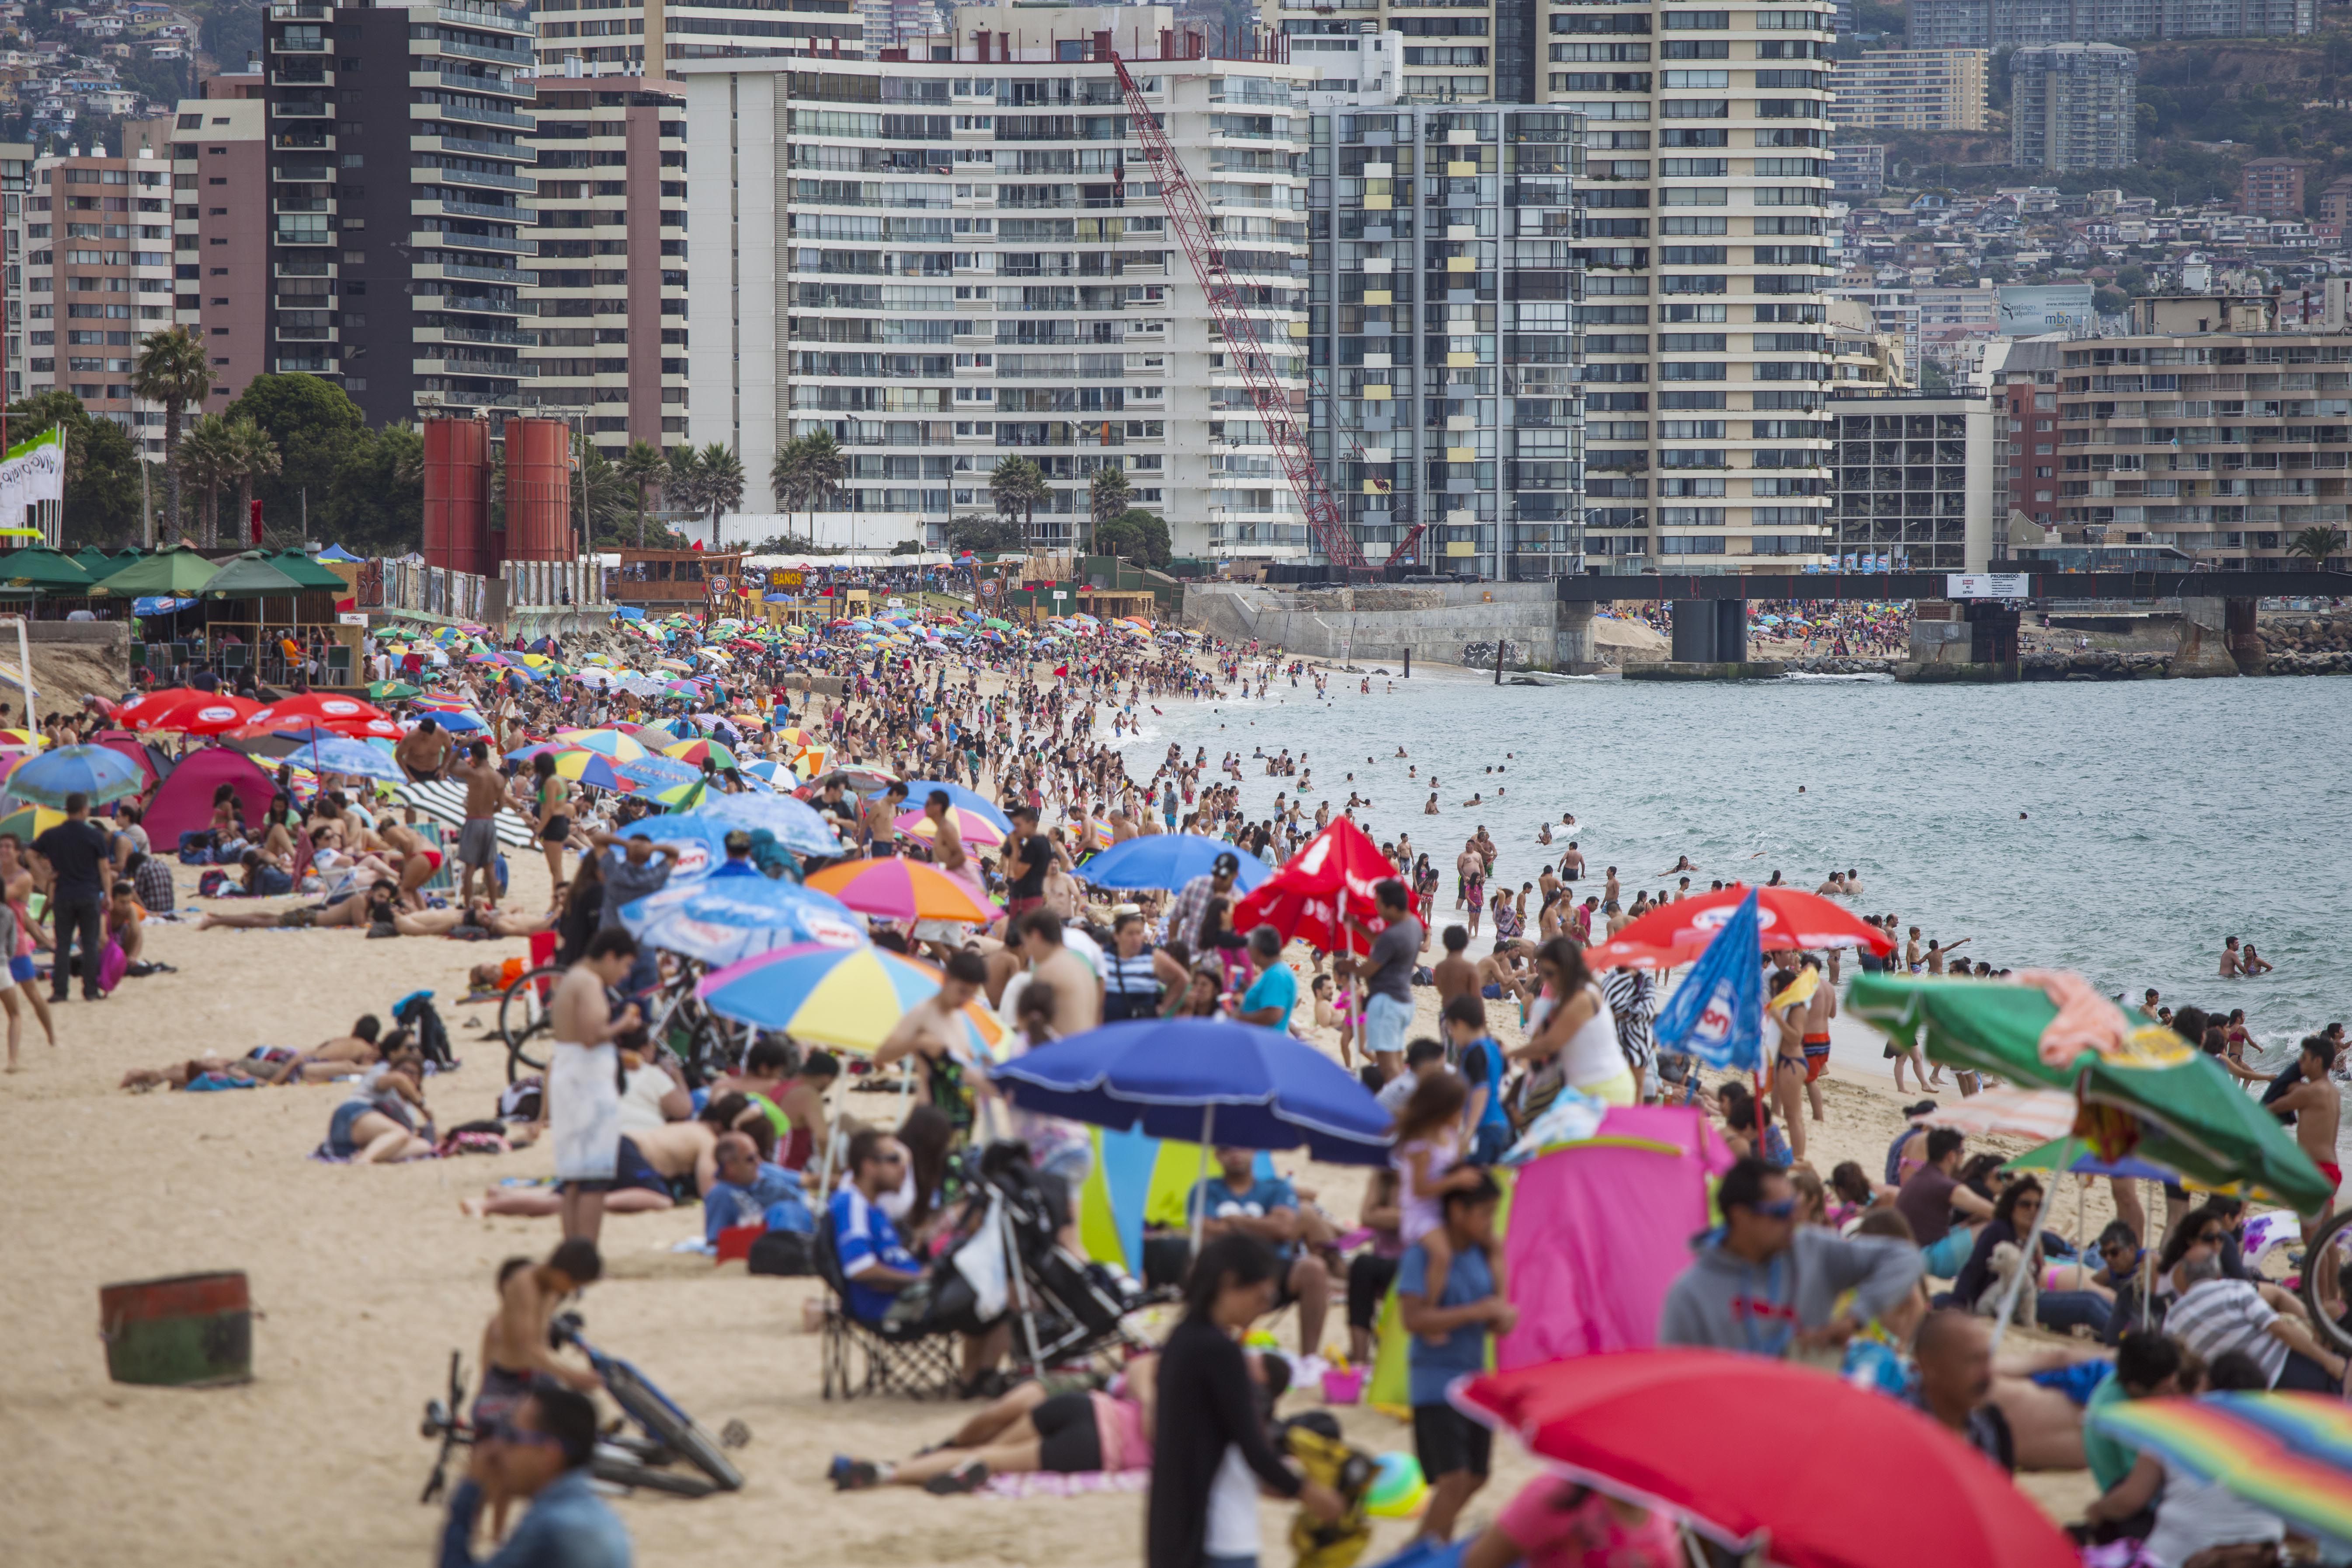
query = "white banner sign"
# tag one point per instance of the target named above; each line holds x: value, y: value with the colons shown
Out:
x: 1988, y: 585
x: 34, y: 472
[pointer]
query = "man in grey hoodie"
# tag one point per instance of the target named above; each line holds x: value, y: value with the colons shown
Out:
x: 1767, y: 1285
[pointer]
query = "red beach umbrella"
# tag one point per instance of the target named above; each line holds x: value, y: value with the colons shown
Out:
x: 185, y: 711
x: 1754, y: 1451
x: 1309, y: 895
x: 1673, y: 936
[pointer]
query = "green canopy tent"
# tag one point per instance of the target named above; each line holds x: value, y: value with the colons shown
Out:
x: 95, y: 561
x: 2191, y: 1115
x: 307, y: 572
x: 176, y: 572
x: 253, y: 575
x: 250, y: 574
x: 44, y: 570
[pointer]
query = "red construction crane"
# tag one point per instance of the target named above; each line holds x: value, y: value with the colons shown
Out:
x: 1244, y: 348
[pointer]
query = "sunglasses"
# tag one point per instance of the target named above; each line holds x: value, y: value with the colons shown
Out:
x: 1784, y: 1208
x: 508, y: 1432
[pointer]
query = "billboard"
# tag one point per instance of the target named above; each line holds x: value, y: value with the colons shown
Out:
x: 2024, y: 310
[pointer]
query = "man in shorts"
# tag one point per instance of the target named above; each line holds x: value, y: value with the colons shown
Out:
x: 1388, y: 972
x: 478, y: 841
x: 423, y: 751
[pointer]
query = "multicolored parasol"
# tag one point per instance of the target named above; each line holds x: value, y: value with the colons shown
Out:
x: 2288, y: 1453
x: 849, y: 998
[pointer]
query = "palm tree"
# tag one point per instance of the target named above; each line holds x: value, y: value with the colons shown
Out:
x: 1016, y: 486
x: 821, y: 468
x: 642, y: 466
x: 2316, y: 544
x: 600, y: 496
x: 207, y: 459
x: 787, y: 479
x: 1107, y: 497
x: 254, y: 456
x: 171, y: 370
x: 719, y: 473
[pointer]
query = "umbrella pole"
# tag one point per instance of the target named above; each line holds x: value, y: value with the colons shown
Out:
x: 2146, y: 1282
x: 1200, y: 1204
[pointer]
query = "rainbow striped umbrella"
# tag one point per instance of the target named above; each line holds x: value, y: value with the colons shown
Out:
x: 902, y: 889
x: 612, y: 743
x: 593, y: 768
x: 2289, y: 1453
x: 849, y: 998
x: 979, y: 833
x: 695, y: 752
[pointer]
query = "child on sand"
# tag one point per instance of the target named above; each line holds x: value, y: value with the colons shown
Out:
x: 1449, y: 1321
x: 1428, y: 1142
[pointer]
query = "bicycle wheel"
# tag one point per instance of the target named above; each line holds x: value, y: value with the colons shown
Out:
x: 623, y: 1469
x: 2324, y: 1282
x: 527, y: 1021
x: 633, y: 1393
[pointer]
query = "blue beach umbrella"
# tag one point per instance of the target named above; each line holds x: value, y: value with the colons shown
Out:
x: 356, y: 758
x: 700, y: 842
x: 97, y: 772
x: 1169, y: 860
x: 798, y: 826
x: 657, y: 773
x: 720, y: 921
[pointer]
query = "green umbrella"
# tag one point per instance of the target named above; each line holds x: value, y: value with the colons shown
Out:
x: 2193, y: 1118
x: 305, y: 571
x: 250, y: 574
x: 176, y: 572
x: 997, y: 625
x: 391, y: 690
x: 41, y: 567
x: 94, y: 561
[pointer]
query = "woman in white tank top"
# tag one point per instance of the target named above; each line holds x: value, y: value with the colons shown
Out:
x: 1577, y: 1040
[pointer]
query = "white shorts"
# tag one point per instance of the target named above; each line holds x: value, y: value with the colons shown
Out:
x: 583, y: 1112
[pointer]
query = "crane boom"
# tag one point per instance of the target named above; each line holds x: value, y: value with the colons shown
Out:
x: 1244, y: 348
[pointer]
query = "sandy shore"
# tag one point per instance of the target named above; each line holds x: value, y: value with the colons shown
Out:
x: 366, y: 1279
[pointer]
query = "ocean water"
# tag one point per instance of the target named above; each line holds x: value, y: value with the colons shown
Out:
x: 2120, y: 830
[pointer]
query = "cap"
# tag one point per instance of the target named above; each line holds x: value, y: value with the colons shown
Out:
x: 1227, y: 862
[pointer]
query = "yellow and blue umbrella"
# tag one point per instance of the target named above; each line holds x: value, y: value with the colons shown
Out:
x: 612, y: 743
x: 848, y: 998
x: 97, y: 772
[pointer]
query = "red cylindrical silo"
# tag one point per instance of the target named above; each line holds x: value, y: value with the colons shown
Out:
x: 539, y: 491
x: 457, y: 494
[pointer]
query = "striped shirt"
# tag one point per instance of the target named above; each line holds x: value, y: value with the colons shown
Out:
x: 2214, y: 1317
x: 1633, y: 997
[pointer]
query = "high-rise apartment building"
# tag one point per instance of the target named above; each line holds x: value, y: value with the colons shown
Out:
x: 962, y: 257
x: 97, y: 278
x: 1910, y: 90
x: 1705, y: 345
x: 1857, y: 170
x: 2014, y: 24
x: 218, y: 145
x: 643, y: 37
x: 1443, y: 342
x: 2073, y: 106
x: 610, y: 295
x: 15, y: 187
x: 1477, y: 51
x: 1915, y: 481
x: 401, y: 157
x: 2271, y: 187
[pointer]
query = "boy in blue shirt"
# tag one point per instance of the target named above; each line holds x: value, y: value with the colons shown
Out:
x: 1480, y: 1057
x: 1271, y: 997
x: 1449, y: 1339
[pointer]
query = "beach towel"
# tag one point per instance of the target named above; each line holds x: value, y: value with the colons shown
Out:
x: 1065, y: 1483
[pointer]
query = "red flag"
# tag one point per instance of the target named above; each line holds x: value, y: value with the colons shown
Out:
x: 256, y: 509
x: 1310, y: 895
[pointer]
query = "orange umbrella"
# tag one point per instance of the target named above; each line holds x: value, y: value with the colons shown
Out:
x: 902, y: 889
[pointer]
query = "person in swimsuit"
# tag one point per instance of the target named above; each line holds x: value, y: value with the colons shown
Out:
x: 1819, y: 1010
x: 1029, y: 1429
x: 2317, y: 1108
x: 551, y: 798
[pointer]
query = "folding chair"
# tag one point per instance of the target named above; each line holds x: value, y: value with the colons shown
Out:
x: 918, y: 1366
x: 443, y: 881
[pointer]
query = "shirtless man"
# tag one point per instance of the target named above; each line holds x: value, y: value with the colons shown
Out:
x: 2317, y: 1108
x: 515, y: 1348
x: 478, y: 841
x: 424, y: 751
x: 1819, y: 1011
x: 2232, y: 968
x: 1832, y: 889
x: 1468, y: 864
x: 583, y: 1093
x: 1454, y: 975
x: 878, y: 819
x: 1853, y: 883
x: 1078, y: 990
x: 928, y: 1031
x: 1572, y: 864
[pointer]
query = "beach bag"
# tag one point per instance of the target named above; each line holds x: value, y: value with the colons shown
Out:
x: 111, y: 966
x: 210, y: 884
x: 415, y: 1011
x: 781, y: 1252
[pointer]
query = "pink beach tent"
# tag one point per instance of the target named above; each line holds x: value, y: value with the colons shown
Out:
x: 183, y: 803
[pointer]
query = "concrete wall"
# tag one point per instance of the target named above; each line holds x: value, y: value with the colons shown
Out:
x: 1377, y: 624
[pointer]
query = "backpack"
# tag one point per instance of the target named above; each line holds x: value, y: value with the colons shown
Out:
x: 782, y: 1252
x: 415, y: 1012
x: 210, y: 884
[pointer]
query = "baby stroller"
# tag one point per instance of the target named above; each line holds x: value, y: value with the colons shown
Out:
x: 1064, y: 1308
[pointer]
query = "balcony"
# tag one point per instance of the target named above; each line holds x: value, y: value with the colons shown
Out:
x: 444, y: 239
x: 525, y: 216
x: 485, y: 274
x: 518, y: 58
x: 470, y: 81
x: 468, y: 17
x: 468, y: 147
x: 492, y: 181
x: 304, y: 11
x: 302, y: 108
x: 483, y: 116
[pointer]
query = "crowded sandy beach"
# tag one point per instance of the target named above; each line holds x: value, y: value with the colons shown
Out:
x: 829, y: 1015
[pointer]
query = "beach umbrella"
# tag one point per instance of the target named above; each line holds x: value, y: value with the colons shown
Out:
x: 649, y: 773
x: 181, y: 709
x: 339, y: 755
x: 810, y: 762
x: 41, y: 567
x: 920, y: 790
x: 461, y: 723
x: 698, y: 752
x: 797, y: 825
x: 269, y: 741
x: 2036, y: 1113
x: 391, y: 690
x: 720, y: 920
x: 2290, y: 1454
x: 612, y: 743
x: 176, y: 572
x: 583, y: 766
x: 25, y: 740
x: 847, y: 997
x: 98, y: 771
x: 1786, y: 918
x: 314, y: 707
x: 902, y: 889
x: 859, y: 777
x: 2138, y: 1088
x: 978, y: 832
x: 1169, y: 860
x: 1733, y: 1444
x: 29, y: 822
x: 2076, y: 1155
x: 767, y: 769
x: 1308, y: 895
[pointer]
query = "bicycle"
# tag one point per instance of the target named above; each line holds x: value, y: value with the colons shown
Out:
x: 712, y: 1047
x: 2324, y: 1284
x: 620, y: 1459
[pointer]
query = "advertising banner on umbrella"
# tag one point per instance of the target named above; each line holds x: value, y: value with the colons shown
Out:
x: 1718, y: 1014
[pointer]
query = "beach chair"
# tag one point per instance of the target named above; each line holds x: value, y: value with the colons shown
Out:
x: 921, y: 1366
x: 444, y: 880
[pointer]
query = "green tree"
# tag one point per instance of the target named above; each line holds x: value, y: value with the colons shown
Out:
x: 643, y: 466
x: 2317, y: 544
x: 981, y: 535
x: 822, y: 467
x: 256, y: 458
x: 171, y: 370
x: 376, y: 504
x: 600, y: 495
x: 1135, y: 535
x: 1107, y: 496
x: 1016, y: 486
x: 708, y: 480
x: 208, y: 457
x: 322, y: 438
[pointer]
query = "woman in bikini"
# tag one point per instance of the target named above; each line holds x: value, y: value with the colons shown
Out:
x: 552, y: 800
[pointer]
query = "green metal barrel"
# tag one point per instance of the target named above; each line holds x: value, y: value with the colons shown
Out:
x: 194, y: 1331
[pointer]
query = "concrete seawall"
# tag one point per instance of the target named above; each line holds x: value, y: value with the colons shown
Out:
x: 1435, y: 621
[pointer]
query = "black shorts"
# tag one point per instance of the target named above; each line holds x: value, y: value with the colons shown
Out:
x: 630, y: 1169
x: 1448, y: 1442
x: 1369, y: 1278
x: 1445, y: 1441
x: 557, y: 831
x: 1068, y: 1440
